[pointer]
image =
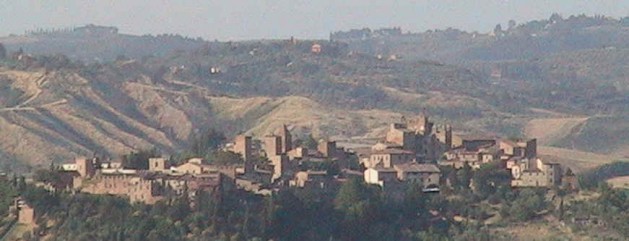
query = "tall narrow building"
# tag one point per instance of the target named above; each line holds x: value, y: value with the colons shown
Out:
x: 287, y: 140
x: 243, y: 146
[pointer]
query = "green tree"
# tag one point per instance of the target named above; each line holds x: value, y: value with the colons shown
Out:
x: 527, y: 204
x: 310, y: 143
x: 361, y: 206
x: 47, y: 176
x: 465, y: 175
x: 139, y: 160
x: 206, y: 142
x: 352, y: 192
x: 283, y: 212
x: 7, y: 193
x: 220, y: 157
x: 3, y: 52
x: 489, y: 177
x: 414, y: 201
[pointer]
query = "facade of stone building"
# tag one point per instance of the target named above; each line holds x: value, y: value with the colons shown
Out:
x: 458, y: 157
x: 272, y: 145
x: 521, y: 148
x: 420, y: 136
x: 243, y: 145
x: 85, y: 167
x: 536, y: 173
x: 281, y: 166
x: 380, y: 176
x: 400, y: 135
x: 428, y: 175
x: 157, y: 164
x: 126, y: 184
x: 473, y: 142
x: 286, y: 139
x: 389, y: 157
x: 311, y: 180
x: 326, y: 148
x: 26, y: 213
x: 192, y: 168
x: 149, y: 186
x: 299, y: 152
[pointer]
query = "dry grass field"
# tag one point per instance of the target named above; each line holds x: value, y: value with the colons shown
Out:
x: 619, y: 182
x: 549, y: 130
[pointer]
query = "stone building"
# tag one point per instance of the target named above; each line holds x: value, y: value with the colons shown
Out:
x: 25, y: 213
x: 124, y: 183
x: 272, y: 145
x: 519, y: 147
x: 297, y: 153
x: 286, y: 139
x: 328, y: 149
x: 279, y: 143
x: 388, y: 158
x: 381, y: 176
x: 472, y: 141
x: 192, y: 167
x: 85, y: 167
x: 157, y: 164
x: 536, y: 173
x: 458, y: 157
x: 419, y: 136
x: 428, y: 175
x: 147, y: 186
x: 244, y: 146
x: 399, y: 134
x: 281, y: 166
x: 311, y: 179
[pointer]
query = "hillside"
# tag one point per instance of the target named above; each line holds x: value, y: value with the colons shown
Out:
x: 63, y: 114
x: 97, y: 43
x: 572, y: 95
x: 518, y: 41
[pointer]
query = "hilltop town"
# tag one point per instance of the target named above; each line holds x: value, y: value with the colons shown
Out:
x: 415, y: 153
x: 414, y: 150
x: 371, y: 135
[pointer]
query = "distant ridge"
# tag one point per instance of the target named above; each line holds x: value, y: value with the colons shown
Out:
x: 92, y: 43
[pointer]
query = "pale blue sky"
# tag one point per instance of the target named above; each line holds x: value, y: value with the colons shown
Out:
x: 255, y: 19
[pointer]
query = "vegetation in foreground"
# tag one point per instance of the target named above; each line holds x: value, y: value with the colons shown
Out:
x: 356, y: 211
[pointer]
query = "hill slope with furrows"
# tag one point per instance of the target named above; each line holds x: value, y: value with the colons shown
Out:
x: 573, y: 96
x: 54, y: 116
x: 56, y: 113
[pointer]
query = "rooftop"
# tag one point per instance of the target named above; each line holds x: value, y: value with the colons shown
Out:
x: 418, y: 167
x: 475, y: 137
x: 119, y: 171
x: 392, y: 151
x: 384, y: 169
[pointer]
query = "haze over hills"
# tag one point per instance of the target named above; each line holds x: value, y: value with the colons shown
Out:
x: 98, y: 43
x: 565, y: 79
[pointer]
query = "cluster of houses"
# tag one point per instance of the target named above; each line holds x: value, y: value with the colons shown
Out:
x: 413, y: 152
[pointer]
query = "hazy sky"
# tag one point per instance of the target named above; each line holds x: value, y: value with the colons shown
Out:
x: 255, y: 19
